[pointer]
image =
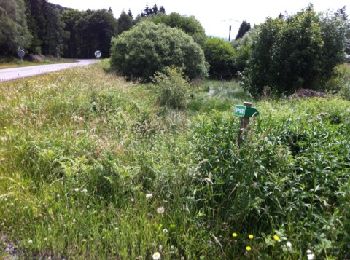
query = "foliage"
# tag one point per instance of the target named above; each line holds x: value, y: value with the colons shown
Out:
x: 173, y: 88
x: 89, y: 31
x: 152, y: 11
x: 220, y: 55
x: 340, y: 81
x: 243, y: 47
x: 189, y: 25
x: 243, y: 29
x: 13, y: 27
x: 148, y: 48
x: 46, y: 26
x: 297, y: 52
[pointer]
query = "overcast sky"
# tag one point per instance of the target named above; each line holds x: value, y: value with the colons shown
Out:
x: 216, y: 16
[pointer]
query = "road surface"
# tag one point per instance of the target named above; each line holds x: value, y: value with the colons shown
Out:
x: 23, y: 72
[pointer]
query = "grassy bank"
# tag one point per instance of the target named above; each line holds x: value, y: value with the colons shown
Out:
x: 95, y: 168
x: 15, y: 63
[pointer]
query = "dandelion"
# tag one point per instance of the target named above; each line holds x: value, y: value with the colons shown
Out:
x: 149, y: 196
x: 160, y: 210
x: 156, y: 256
x: 310, y: 255
x: 234, y: 235
x: 251, y: 237
x: 248, y: 248
x: 276, y: 238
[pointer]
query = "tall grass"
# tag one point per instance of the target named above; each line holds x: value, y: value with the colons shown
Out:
x: 93, y: 167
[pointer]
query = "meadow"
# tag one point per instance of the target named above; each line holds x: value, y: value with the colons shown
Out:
x: 92, y: 166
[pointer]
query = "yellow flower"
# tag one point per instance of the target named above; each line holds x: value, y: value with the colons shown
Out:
x: 276, y: 238
x: 251, y: 237
x: 234, y: 235
x: 248, y: 248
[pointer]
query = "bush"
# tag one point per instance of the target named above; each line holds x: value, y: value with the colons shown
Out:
x: 220, y: 55
x: 173, y: 88
x: 147, y: 48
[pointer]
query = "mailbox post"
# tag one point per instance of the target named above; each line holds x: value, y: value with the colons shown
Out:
x: 244, y: 111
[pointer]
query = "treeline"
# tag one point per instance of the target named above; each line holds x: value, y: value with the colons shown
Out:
x: 40, y: 27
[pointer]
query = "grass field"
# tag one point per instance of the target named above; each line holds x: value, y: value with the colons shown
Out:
x: 94, y: 167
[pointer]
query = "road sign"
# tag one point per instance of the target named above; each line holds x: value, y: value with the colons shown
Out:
x: 98, y: 54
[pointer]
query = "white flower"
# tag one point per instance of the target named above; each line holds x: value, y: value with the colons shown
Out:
x: 84, y: 190
x: 156, y: 256
x: 165, y: 230
x: 76, y: 189
x: 310, y: 255
x: 149, y: 195
x: 289, y: 245
x: 30, y: 241
x: 160, y: 210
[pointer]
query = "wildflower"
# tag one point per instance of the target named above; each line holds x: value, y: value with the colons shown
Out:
x: 76, y: 189
x: 276, y: 238
x: 165, y: 230
x: 84, y: 190
x: 289, y: 245
x: 160, y: 210
x: 310, y: 255
x: 30, y: 241
x: 149, y: 196
x: 248, y: 248
x: 251, y: 237
x: 156, y: 256
x: 234, y: 235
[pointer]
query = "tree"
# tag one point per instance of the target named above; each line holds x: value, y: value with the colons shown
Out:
x: 220, y: 55
x: 94, y: 31
x: 14, y: 31
x: 70, y: 18
x: 124, y: 23
x: 46, y: 26
x: 297, y: 52
x: 189, y: 25
x: 148, y: 48
x: 243, y: 29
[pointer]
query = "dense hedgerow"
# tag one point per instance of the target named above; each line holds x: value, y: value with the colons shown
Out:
x: 148, y: 48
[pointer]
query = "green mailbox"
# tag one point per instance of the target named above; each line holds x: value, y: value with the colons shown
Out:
x: 245, y: 111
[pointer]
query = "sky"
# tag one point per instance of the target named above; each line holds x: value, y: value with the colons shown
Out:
x: 215, y: 16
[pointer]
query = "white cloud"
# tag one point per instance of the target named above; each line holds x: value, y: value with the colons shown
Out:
x: 216, y: 16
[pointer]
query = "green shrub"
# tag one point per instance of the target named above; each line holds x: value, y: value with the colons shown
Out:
x: 147, y: 48
x: 221, y: 57
x: 173, y: 88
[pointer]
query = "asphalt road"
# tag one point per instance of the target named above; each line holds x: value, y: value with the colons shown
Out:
x: 23, y: 72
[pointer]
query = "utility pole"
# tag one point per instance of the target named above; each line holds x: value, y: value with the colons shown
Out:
x: 229, y: 34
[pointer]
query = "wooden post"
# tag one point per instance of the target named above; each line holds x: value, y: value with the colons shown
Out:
x: 244, y: 125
